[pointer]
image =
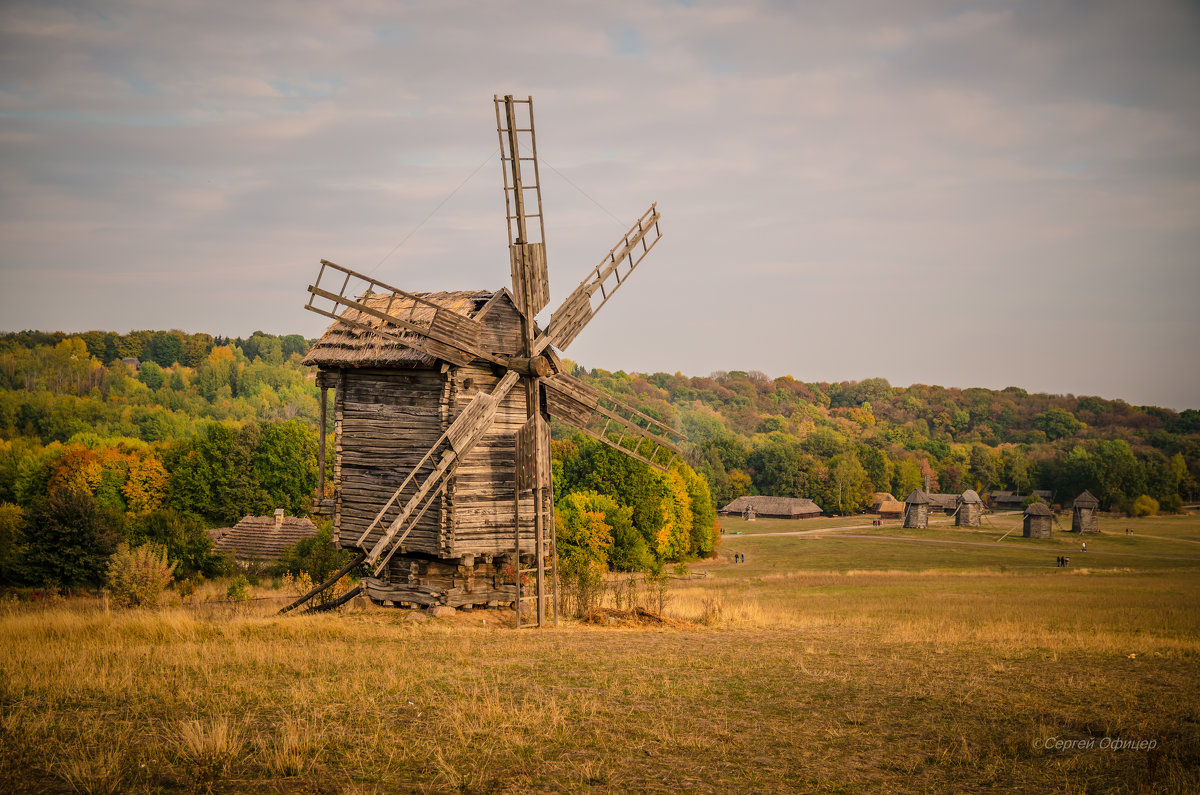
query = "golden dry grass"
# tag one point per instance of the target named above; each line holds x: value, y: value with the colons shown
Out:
x: 773, y: 679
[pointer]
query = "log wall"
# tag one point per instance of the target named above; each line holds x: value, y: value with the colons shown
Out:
x: 480, y: 498
x: 386, y: 421
x: 1037, y: 526
x: 1083, y: 520
x: 916, y: 515
x: 970, y: 514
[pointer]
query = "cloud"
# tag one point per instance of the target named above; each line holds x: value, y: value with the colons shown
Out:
x: 978, y: 195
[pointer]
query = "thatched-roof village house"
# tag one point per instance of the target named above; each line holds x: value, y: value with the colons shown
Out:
x: 970, y: 510
x: 1083, y: 514
x: 264, y: 538
x: 773, y: 507
x: 916, y: 509
x: 885, y: 505
x: 946, y: 503
x: 1038, y: 519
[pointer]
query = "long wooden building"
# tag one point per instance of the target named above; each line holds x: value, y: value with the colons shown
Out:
x: 772, y: 507
x: 391, y: 405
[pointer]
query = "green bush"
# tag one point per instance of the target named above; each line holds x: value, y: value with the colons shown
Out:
x: 1145, y: 505
x: 239, y: 589
x: 137, y: 576
x: 316, y: 556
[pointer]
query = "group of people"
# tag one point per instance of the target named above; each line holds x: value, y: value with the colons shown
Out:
x: 1063, y: 561
x: 738, y: 557
x: 1128, y: 531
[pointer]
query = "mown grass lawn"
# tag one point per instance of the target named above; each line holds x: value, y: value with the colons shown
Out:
x: 827, y: 663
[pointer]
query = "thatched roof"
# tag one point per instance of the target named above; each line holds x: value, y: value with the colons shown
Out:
x: 261, y: 538
x: 917, y: 497
x: 970, y: 496
x: 774, y: 506
x: 217, y: 533
x: 349, y: 346
x: 1038, y: 509
x: 943, y: 501
x: 883, y: 502
x: 1086, y: 500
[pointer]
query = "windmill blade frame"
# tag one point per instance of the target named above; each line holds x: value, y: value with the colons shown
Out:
x: 577, y: 311
x: 444, y: 335
x: 599, y: 415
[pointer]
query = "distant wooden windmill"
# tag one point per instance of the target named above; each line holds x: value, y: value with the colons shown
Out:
x: 442, y: 474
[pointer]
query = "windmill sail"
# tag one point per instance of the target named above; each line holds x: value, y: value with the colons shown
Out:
x: 612, y: 422
x: 397, y: 315
x: 605, y: 279
x: 522, y: 202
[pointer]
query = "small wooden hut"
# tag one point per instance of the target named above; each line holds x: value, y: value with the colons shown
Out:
x: 916, y: 509
x: 1038, y: 520
x: 1083, y: 514
x: 970, y: 510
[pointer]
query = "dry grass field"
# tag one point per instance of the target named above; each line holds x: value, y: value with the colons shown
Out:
x: 858, y: 660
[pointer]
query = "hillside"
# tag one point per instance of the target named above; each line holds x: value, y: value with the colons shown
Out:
x: 837, y: 443
x: 249, y: 404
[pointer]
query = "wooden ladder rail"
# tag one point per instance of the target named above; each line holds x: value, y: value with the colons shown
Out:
x: 456, y: 440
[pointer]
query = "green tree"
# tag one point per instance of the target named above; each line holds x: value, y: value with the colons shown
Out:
x: 850, y: 488
x: 11, y: 519
x: 1057, y: 423
x: 151, y: 375
x: 184, y: 539
x: 68, y: 539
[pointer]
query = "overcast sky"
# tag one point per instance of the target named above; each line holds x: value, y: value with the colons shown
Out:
x: 966, y: 194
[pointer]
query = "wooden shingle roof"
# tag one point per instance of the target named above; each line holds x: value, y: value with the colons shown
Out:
x: 1038, y: 509
x: 917, y: 497
x: 970, y: 496
x: 1086, y: 500
x: 260, y: 538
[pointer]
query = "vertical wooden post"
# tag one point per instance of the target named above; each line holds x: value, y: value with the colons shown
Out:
x: 533, y: 385
x: 539, y: 540
x: 517, y: 550
x: 553, y: 549
x: 321, y: 447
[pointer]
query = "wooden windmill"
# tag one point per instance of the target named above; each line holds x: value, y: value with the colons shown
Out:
x: 442, y: 477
